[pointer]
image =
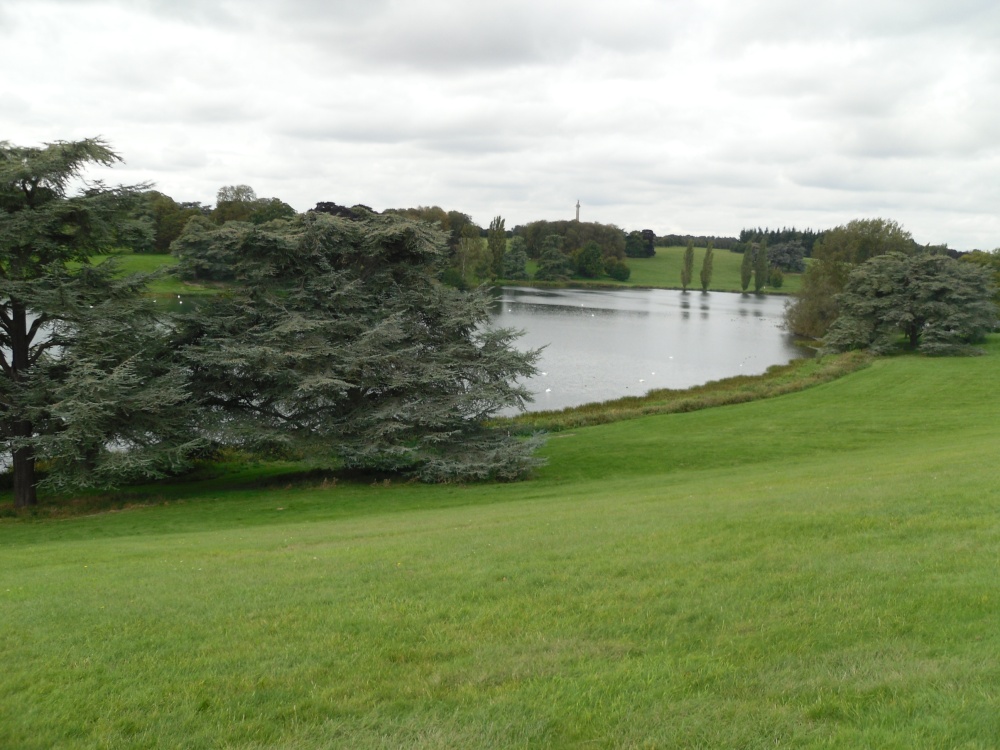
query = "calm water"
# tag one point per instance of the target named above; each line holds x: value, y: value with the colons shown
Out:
x: 602, y: 345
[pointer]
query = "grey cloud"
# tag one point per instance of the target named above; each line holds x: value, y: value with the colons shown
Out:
x: 459, y: 37
x: 776, y: 21
x: 678, y: 116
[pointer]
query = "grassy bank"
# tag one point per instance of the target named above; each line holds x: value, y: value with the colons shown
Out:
x: 777, y: 381
x: 815, y: 570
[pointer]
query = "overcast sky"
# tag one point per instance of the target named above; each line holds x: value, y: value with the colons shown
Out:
x: 700, y: 116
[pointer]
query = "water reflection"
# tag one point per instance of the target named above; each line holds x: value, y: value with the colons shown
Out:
x: 602, y: 344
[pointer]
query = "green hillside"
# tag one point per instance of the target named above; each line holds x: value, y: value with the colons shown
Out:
x: 816, y: 570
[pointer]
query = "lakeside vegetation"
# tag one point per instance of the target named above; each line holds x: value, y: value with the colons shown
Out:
x: 796, y: 375
x: 813, y: 571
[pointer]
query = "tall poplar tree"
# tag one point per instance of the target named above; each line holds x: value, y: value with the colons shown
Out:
x: 706, y: 268
x: 746, y: 268
x: 761, y: 267
x: 687, y: 269
x: 85, y: 379
x: 496, y: 243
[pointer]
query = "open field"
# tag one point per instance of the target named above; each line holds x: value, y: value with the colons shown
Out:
x: 817, y: 570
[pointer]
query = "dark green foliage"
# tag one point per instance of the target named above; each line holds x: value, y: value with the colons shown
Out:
x: 167, y: 216
x: 776, y: 278
x: 687, y: 267
x: 640, y: 244
x: 496, y: 244
x: 472, y: 259
x: 861, y: 239
x: 553, y: 265
x: 111, y: 407
x: 453, y: 223
x: 649, y: 237
x: 452, y: 277
x: 573, y: 236
x: 205, y: 251
x: 815, y: 306
x: 86, y: 382
x: 234, y: 203
x: 338, y: 344
x: 681, y: 240
x: 987, y: 260
x: 788, y: 256
x: 135, y: 233
x: 774, y: 237
x: 589, y: 261
x: 706, y: 267
x: 240, y: 203
x: 939, y: 305
x: 761, y: 268
x: 469, y: 263
x: 269, y: 209
x: 515, y: 261
x: 617, y: 269
x: 746, y: 268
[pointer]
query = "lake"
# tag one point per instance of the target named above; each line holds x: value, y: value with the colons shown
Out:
x: 605, y: 344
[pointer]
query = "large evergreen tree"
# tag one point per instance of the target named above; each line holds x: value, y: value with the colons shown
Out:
x: 85, y: 382
x: 338, y: 343
x: 515, y: 261
x: 931, y: 302
x: 588, y: 260
x: 553, y: 265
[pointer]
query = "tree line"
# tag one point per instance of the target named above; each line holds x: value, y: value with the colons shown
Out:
x: 682, y: 240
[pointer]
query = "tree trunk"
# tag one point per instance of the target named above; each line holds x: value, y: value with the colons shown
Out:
x: 24, y: 457
x: 24, y: 478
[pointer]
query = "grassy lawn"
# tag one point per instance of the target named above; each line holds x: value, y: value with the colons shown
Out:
x: 664, y: 270
x: 816, y: 570
x: 164, y: 284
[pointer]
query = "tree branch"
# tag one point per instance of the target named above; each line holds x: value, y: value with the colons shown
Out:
x: 39, y: 350
x: 38, y: 323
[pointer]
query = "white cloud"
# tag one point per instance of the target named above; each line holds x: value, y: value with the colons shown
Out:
x: 671, y: 114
